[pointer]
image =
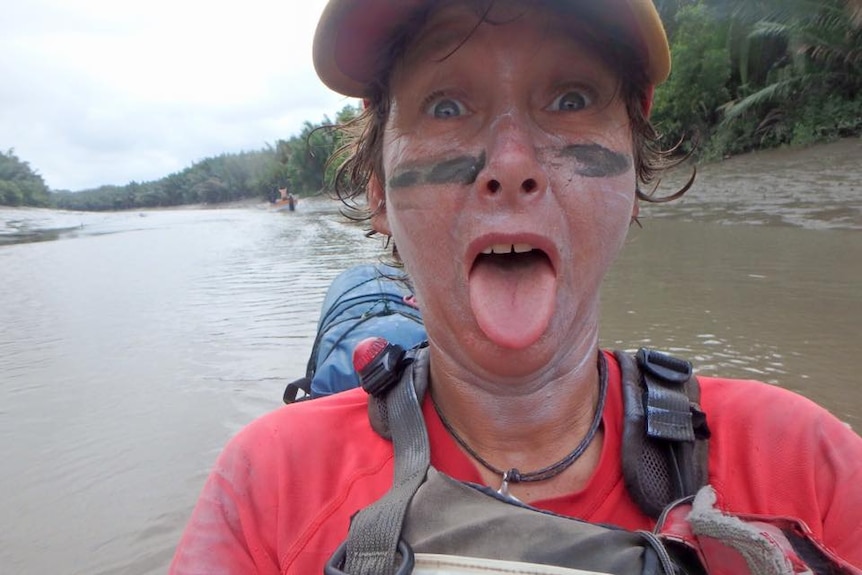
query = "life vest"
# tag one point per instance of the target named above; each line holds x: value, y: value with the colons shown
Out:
x: 429, y: 523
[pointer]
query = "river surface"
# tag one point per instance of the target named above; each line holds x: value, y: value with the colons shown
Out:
x: 133, y: 345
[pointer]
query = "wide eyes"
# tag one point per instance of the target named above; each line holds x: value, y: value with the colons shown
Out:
x: 571, y: 101
x: 443, y: 107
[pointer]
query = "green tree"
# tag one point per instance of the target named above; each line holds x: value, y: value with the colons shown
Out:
x: 301, y: 163
x: 19, y: 184
x: 751, y: 74
x: 799, y: 71
x: 212, y: 190
x: 686, y: 106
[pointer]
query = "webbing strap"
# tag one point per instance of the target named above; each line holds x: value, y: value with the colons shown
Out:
x: 374, y: 533
x: 668, y: 412
x: 665, y: 436
x: 668, y: 409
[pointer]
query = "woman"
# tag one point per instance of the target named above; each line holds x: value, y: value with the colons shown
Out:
x: 502, y: 150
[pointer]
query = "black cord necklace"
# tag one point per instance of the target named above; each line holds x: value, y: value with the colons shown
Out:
x: 515, y: 476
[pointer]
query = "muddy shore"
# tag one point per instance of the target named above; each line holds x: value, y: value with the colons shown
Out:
x: 818, y: 187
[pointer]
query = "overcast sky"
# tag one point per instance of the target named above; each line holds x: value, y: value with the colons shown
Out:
x: 99, y: 92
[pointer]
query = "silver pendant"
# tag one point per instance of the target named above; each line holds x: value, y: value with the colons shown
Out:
x: 504, y: 489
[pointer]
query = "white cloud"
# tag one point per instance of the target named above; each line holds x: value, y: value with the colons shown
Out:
x: 104, y: 92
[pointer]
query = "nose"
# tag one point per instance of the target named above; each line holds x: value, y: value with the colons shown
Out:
x: 512, y: 168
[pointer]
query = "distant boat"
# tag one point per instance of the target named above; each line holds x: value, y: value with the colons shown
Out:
x: 287, y: 202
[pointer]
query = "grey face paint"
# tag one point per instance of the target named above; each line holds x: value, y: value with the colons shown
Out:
x: 459, y: 171
x: 595, y: 161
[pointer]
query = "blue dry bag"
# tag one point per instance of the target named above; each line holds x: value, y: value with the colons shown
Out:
x: 368, y: 300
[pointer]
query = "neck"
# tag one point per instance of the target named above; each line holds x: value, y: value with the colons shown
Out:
x: 527, y: 426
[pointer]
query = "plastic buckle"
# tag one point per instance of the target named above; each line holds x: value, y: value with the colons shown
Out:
x: 663, y: 366
x: 378, y: 364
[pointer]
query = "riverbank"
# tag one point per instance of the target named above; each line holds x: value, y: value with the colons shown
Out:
x: 818, y: 187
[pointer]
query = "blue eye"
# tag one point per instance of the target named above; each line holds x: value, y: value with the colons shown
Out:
x: 571, y: 101
x: 445, y: 108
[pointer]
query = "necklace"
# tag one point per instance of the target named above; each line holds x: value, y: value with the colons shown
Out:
x: 513, y: 475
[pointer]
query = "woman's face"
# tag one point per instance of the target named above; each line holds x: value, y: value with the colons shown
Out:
x: 508, y: 182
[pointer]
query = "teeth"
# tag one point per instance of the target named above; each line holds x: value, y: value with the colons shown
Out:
x: 507, y: 249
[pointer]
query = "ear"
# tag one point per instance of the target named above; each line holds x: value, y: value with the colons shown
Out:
x: 376, y: 195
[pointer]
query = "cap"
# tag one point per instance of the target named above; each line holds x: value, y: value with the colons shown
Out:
x: 352, y: 33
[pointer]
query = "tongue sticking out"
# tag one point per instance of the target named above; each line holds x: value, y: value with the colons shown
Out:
x: 512, y: 297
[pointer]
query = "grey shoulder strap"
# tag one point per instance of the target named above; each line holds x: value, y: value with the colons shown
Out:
x: 373, y: 542
x: 665, y: 436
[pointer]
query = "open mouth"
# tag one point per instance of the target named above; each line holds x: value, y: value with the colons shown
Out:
x: 513, y: 293
x: 512, y: 256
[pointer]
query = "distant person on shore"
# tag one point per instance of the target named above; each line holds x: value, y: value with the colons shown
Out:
x: 502, y: 150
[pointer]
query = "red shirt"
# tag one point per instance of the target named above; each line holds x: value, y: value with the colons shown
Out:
x: 280, y: 497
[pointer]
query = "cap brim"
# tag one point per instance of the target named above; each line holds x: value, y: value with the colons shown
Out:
x: 351, y: 36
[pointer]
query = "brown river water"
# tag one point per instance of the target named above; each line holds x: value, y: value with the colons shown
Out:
x: 133, y: 345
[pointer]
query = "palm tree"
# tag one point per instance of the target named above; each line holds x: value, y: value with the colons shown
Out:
x: 792, y: 51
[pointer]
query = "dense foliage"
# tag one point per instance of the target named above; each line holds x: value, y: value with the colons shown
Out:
x: 747, y: 74
x: 19, y: 184
x: 751, y: 74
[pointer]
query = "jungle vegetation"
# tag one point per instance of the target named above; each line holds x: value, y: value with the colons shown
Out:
x: 747, y: 75
x: 753, y: 74
x: 19, y: 184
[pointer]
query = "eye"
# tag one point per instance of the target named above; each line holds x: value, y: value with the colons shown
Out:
x: 571, y: 101
x: 444, y: 107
